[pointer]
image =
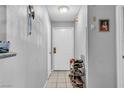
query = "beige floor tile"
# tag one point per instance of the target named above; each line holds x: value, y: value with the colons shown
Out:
x: 67, y: 72
x: 53, y: 77
x: 61, y: 73
x: 51, y: 85
x: 67, y: 77
x: 68, y: 81
x: 61, y: 80
x: 69, y: 85
x: 61, y: 85
x: 52, y: 80
x: 54, y: 72
x: 61, y: 76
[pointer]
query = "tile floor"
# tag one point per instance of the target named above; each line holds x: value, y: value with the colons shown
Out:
x: 59, y: 79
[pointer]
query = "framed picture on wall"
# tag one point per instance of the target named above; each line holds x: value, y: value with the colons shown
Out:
x: 104, y: 25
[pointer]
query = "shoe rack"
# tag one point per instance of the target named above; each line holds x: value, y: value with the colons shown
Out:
x: 77, y: 73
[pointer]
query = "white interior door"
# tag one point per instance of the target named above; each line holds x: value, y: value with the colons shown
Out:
x: 63, y: 47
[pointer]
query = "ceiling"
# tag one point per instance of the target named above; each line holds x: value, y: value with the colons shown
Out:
x: 55, y: 15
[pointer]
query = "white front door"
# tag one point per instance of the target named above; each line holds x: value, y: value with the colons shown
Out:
x: 62, y: 47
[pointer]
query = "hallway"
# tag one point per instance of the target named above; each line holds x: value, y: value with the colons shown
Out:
x: 59, y: 79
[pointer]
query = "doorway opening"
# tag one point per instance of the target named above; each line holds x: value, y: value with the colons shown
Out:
x: 66, y: 42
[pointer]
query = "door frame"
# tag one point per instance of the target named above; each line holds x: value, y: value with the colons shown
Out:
x: 119, y: 30
x: 52, y: 43
x: 49, y: 46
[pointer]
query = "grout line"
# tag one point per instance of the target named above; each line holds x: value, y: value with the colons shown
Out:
x: 65, y: 80
x: 57, y: 80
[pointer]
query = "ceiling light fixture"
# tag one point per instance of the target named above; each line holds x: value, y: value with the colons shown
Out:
x: 63, y: 9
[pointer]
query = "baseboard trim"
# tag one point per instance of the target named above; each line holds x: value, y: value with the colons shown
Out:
x: 46, y: 81
x: 45, y: 84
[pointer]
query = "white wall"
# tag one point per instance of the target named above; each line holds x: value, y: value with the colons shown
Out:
x: 62, y: 24
x: 81, y: 37
x: 2, y: 22
x: 102, y: 50
x: 80, y: 33
x: 29, y: 67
